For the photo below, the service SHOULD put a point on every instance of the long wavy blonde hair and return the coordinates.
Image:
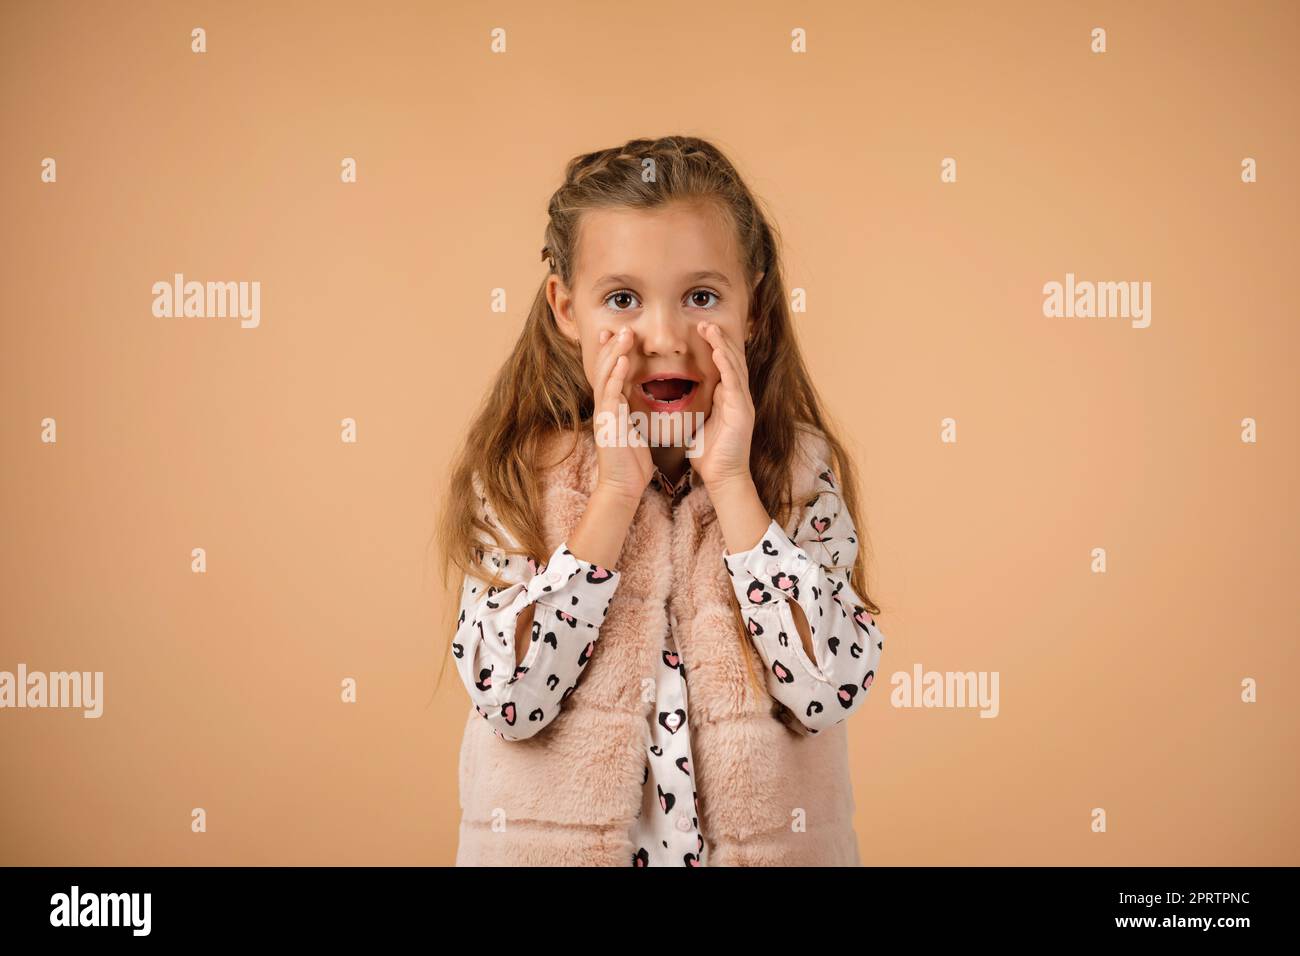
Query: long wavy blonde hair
(542, 390)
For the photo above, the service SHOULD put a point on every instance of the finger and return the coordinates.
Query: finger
(604, 363)
(614, 397)
(614, 385)
(722, 359)
(736, 361)
(714, 335)
(605, 358)
(614, 348)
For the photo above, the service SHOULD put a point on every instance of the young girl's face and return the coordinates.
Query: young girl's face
(658, 272)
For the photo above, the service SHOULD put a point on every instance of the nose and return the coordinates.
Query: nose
(664, 331)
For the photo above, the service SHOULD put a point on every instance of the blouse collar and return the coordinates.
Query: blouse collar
(660, 480)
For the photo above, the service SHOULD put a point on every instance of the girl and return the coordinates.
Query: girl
(603, 580)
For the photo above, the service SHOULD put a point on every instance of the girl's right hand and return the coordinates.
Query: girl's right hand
(625, 468)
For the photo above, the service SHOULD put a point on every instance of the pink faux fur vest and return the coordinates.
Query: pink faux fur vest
(567, 797)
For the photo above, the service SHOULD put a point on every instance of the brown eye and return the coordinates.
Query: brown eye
(705, 292)
(622, 294)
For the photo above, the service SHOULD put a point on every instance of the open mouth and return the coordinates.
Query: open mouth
(667, 391)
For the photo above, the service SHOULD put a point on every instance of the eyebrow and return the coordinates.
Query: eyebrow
(625, 279)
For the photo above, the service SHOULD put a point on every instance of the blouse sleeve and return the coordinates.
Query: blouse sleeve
(812, 566)
(567, 599)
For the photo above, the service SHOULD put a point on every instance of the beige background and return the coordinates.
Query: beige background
(1119, 691)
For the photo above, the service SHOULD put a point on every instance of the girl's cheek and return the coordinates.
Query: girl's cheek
(706, 399)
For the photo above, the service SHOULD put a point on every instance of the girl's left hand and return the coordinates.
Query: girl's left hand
(726, 435)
